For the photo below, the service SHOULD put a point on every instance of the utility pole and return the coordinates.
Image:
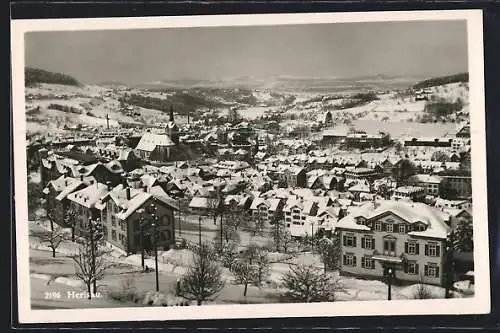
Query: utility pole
(107, 121)
(156, 254)
(221, 232)
(179, 216)
(199, 231)
(141, 238)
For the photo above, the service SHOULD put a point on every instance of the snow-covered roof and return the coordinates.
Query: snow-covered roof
(411, 212)
(89, 195)
(149, 141)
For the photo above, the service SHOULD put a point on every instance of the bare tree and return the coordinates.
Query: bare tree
(214, 205)
(53, 238)
(306, 283)
(89, 265)
(203, 280)
(245, 273)
(422, 291)
(262, 265)
(70, 218)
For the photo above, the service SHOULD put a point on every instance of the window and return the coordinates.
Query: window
(303, 217)
(367, 263)
(349, 240)
(349, 260)
(113, 234)
(411, 268)
(389, 227)
(367, 242)
(288, 219)
(431, 270)
(402, 228)
(412, 248)
(432, 250)
(378, 226)
(113, 221)
(390, 247)
(288, 213)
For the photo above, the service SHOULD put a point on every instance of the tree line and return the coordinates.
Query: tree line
(34, 76)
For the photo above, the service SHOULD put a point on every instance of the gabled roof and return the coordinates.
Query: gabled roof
(89, 195)
(150, 141)
(411, 212)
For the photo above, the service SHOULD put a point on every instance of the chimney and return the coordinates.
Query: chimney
(145, 188)
(108, 183)
(81, 178)
(127, 191)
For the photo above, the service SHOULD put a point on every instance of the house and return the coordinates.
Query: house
(334, 136)
(430, 183)
(122, 211)
(267, 210)
(84, 204)
(363, 140)
(295, 176)
(296, 211)
(204, 205)
(56, 194)
(428, 142)
(407, 236)
(361, 173)
(155, 147)
(411, 193)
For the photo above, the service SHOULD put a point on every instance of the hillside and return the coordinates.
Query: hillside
(439, 81)
(33, 76)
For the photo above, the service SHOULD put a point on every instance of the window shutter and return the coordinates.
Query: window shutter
(417, 248)
(344, 240)
(354, 261)
(373, 243)
(354, 241)
(426, 270)
(426, 249)
(383, 227)
(406, 247)
(437, 272)
(395, 227)
(363, 242)
(416, 269)
(438, 250)
(344, 259)
(405, 267)
(363, 262)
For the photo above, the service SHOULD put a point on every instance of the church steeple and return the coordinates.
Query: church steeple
(171, 113)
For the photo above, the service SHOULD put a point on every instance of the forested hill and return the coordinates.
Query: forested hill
(438, 81)
(33, 76)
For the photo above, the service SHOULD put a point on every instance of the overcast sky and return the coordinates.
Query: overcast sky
(323, 50)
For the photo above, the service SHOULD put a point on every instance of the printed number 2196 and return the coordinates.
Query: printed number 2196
(52, 295)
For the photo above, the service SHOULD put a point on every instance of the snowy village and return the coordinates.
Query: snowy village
(248, 191)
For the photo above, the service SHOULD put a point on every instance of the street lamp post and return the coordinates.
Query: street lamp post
(389, 276)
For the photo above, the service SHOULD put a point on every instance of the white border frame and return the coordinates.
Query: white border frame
(479, 304)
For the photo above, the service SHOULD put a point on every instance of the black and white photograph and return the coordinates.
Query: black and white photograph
(249, 164)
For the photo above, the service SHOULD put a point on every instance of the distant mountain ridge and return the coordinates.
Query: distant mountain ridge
(34, 76)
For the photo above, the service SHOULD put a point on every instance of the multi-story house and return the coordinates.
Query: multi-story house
(406, 236)
(296, 212)
(124, 209)
(430, 183)
(411, 193)
(266, 210)
(84, 203)
(56, 194)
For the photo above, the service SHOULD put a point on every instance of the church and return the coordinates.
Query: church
(160, 147)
